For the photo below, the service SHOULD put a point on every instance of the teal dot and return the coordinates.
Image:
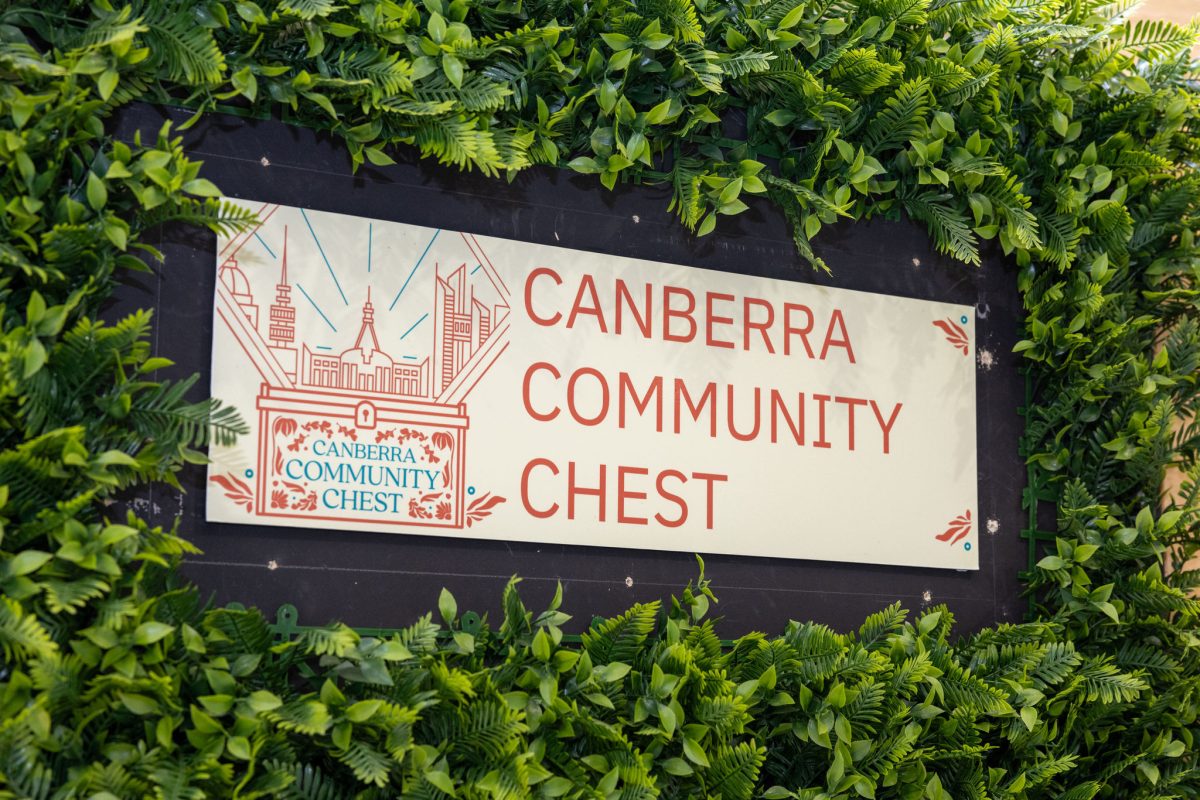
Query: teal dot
(249, 473)
(963, 319)
(470, 490)
(966, 545)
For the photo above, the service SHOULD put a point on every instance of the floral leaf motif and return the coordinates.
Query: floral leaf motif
(444, 441)
(236, 490)
(958, 528)
(482, 507)
(955, 335)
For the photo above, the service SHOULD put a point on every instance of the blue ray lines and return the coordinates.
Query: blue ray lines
(414, 271)
(316, 307)
(321, 250)
(264, 244)
(414, 325)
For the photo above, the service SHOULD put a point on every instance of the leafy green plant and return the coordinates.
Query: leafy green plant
(1052, 128)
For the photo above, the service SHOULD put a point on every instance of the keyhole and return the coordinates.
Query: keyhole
(365, 415)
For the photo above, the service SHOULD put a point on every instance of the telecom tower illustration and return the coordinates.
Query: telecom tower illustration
(363, 387)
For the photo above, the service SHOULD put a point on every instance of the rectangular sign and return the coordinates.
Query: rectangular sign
(409, 380)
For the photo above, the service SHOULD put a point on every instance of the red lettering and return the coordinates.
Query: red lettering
(671, 496)
(573, 407)
(707, 397)
(684, 314)
(711, 318)
(836, 321)
(573, 491)
(753, 434)
(821, 399)
(850, 403)
(623, 495)
(778, 409)
(529, 509)
(641, 404)
(709, 479)
(625, 299)
(762, 327)
(789, 329)
(587, 286)
(546, 321)
(541, 365)
(886, 427)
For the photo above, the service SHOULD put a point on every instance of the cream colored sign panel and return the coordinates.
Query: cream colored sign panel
(408, 380)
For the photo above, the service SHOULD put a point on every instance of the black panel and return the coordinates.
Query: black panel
(371, 579)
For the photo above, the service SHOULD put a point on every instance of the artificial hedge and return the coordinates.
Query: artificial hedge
(1051, 126)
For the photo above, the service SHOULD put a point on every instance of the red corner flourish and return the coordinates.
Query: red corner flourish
(960, 526)
(955, 335)
(236, 490)
(482, 507)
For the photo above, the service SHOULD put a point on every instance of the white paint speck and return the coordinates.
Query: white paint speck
(272, 565)
(993, 526)
(927, 596)
(987, 359)
(916, 262)
(266, 162)
(556, 237)
(629, 582)
(636, 219)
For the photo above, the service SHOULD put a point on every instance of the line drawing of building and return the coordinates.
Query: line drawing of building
(282, 330)
(466, 339)
(238, 285)
(365, 367)
(462, 326)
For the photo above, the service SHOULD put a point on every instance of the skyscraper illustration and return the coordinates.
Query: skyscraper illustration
(463, 325)
(282, 330)
(463, 328)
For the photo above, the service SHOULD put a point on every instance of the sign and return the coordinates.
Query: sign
(410, 380)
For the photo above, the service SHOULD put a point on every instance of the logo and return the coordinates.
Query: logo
(368, 424)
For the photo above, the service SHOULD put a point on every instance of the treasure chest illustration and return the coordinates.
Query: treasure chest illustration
(352, 430)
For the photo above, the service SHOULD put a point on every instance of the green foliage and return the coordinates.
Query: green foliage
(1057, 130)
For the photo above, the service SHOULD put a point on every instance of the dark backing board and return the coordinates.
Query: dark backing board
(386, 580)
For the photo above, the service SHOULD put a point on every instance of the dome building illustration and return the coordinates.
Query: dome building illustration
(359, 392)
(463, 329)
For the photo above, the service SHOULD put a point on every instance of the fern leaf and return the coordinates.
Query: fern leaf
(368, 764)
(620, 638)
(873, 633)
(22, 637)
(902, 118)
(951, 227)
(184, 51)
(307, 9)
(733, 773)
(745, 63)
